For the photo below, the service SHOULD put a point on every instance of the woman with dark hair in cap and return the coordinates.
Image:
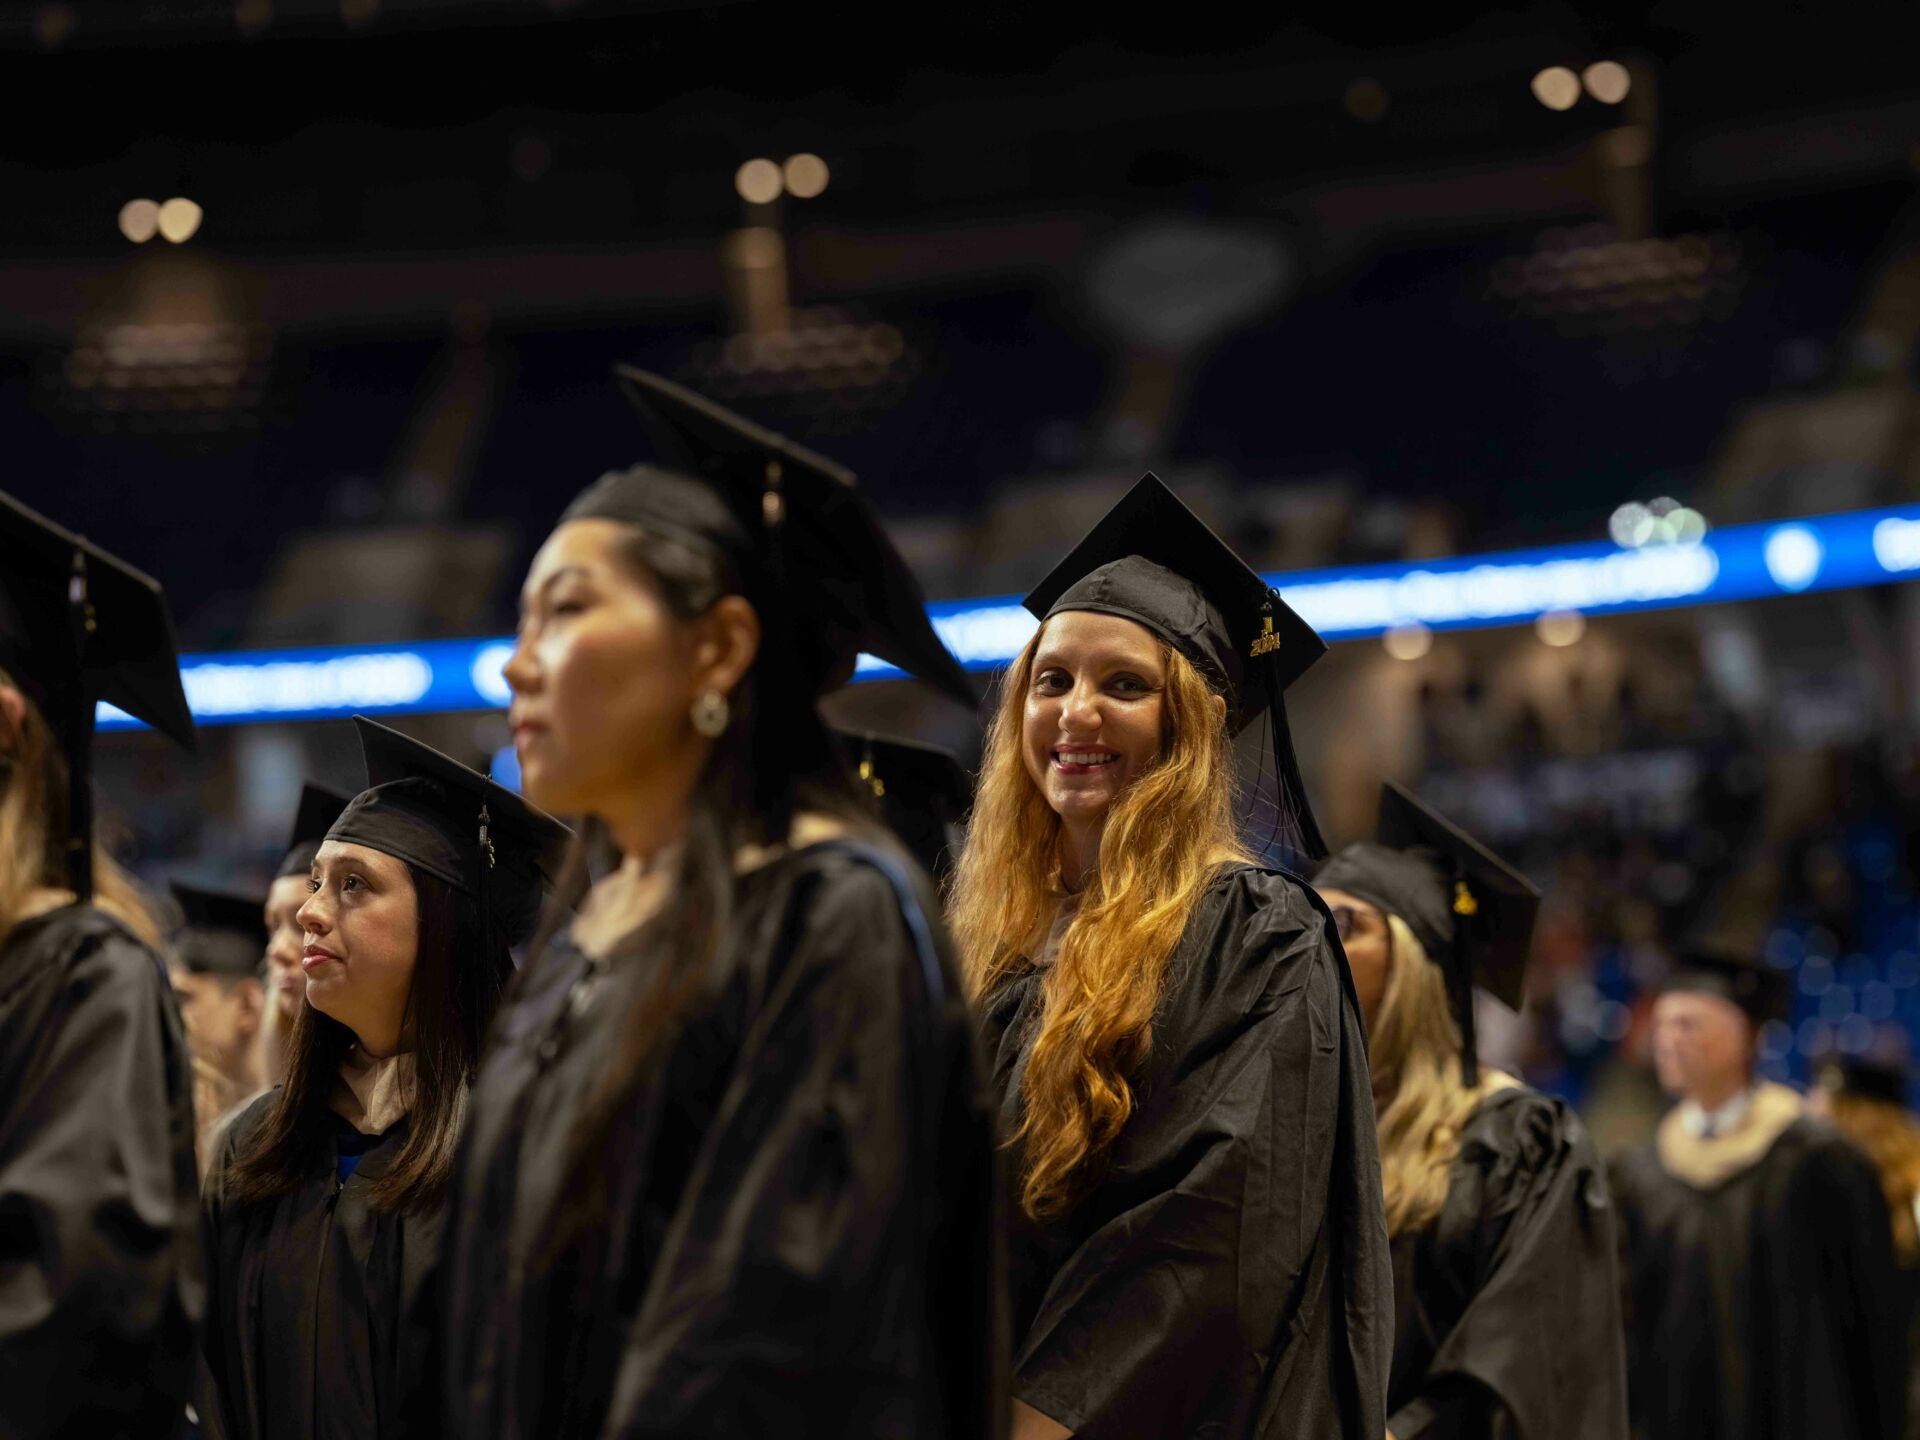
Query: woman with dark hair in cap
(324, 1210)
(1760, 1296)
(729, 1169)
(286, 981)
(1198, 1247)
(99, 1231)
(1506, 1309)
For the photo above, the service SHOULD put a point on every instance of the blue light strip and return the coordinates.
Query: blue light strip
(1742, 562)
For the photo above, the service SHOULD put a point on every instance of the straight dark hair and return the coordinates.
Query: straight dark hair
(775, 758)
(459, 973)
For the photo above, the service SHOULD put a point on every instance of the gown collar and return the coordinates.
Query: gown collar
(374, 1094)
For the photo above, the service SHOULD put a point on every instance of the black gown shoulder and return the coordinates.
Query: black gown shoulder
(799, 1234)
(100, 1266)
(1228, 1274)
(1506, 1305)
(314, 1299)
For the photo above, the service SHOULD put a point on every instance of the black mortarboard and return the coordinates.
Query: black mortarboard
(1471, 911)
(78, 626)
(834, 583)
(224, 934)
(920, 790)
(319, 808)
(1154, 561)
(453, 823)
(1762, 990)
(1868, 1079)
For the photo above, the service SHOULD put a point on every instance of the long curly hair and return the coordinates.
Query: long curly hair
(1165, 837)
(1420, 1103)
(1890, 1138)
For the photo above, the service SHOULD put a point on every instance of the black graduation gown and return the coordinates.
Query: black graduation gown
(100, 1279)
(803, 1239)
(1229, 1276)
(1764, 1307)
(310, 1295)
(1506, 1306)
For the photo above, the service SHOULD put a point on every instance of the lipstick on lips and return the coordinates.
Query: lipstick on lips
(1083, 759)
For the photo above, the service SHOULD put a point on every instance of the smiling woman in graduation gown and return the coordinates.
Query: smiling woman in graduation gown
(324, 1210)
(1506, 1309)
(100, 1289)
(1198, 1246)
(729, 1169)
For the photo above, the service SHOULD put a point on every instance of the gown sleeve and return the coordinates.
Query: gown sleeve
(1537, 1351)
(100, 1284)
(788, 1293)
(1843, 1211)
(1236, 1272)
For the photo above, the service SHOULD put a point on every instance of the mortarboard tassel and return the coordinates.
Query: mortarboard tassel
(1290, 785)
(79, 732)
(1466, 911)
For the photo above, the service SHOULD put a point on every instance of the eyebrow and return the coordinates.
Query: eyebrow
(549, 582)
(1101, 660)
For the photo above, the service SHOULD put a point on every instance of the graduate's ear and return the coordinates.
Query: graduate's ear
(727, 638)
(13, 714)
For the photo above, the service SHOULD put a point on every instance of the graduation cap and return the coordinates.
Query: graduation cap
(454, 823)
(1868, 1079)
(1762, 990)
(1153, 561)
(919, 789)
(832, 583)
(224, 934)
(320, 806)
(1471, 911)
(78, 626)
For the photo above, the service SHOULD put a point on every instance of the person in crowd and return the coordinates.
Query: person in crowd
(1198, 1245)
(729, 1169)
(216, 962)
(100, 1278)
(1506, 1303)
(324, 1210)
(286, 981)
(919, 791)
(1866, 1101)
(1761, 1300)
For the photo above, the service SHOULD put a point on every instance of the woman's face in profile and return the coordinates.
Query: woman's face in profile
(603, 676)
(362, 928)
(1095, 709)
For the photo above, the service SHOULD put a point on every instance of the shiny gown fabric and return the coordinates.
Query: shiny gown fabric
(100, 1268)
(1229, 1274)
(801, 1238)
(1507, 1306)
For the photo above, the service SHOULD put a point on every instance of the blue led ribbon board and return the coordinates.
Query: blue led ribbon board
(1742, 562)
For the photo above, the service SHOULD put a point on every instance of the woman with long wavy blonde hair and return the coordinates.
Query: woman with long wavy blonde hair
(99, 1252)
(1507, 1316)
(1198, 1246)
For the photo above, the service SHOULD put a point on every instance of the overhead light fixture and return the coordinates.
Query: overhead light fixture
(1607, 81)
(179, 219)
(1560, 628)
(1557, 88)
(805, 176)
(1407, 642)
(140, 220)
(759, 182)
